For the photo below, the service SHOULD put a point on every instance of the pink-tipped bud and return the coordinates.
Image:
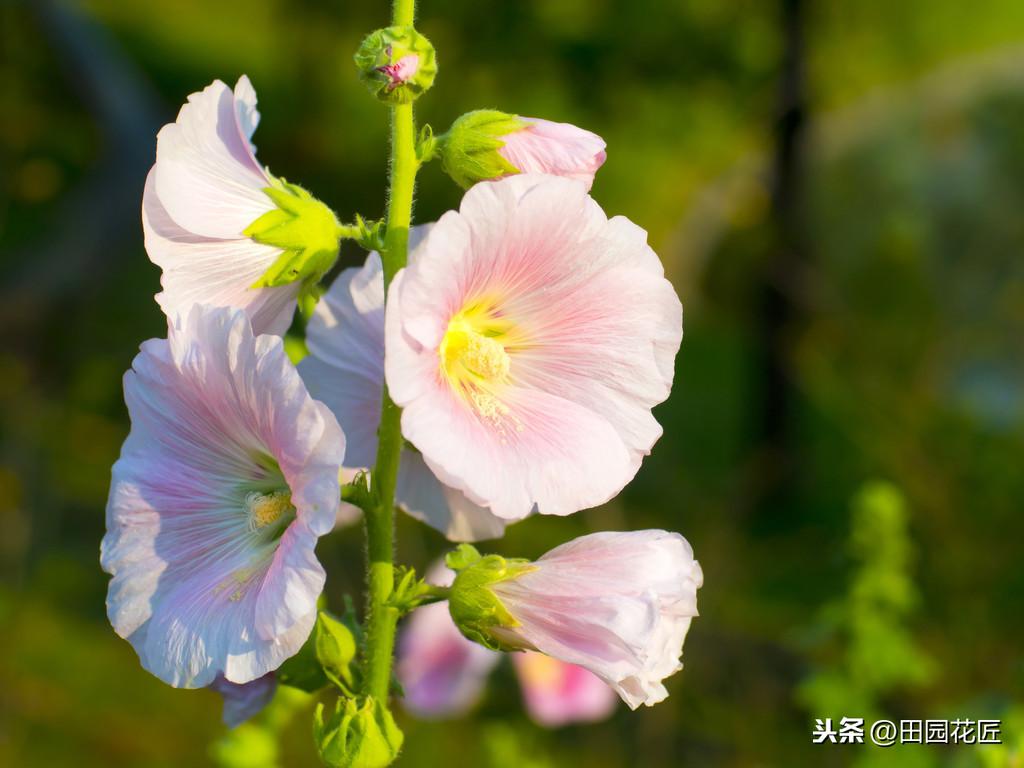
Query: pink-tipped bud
(487, 145)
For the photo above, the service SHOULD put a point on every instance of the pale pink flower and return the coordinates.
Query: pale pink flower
(226, 480)
(203, 192)
(345, 369)
(442, 673)
(557, 693)
(527, 341)
(246, 700)
(560, 149)
(618, 604)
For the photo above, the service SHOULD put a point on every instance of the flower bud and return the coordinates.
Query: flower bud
(617, 604)
(397, 64)
(487, 144)
(357, 736)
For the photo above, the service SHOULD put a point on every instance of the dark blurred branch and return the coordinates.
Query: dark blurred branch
(93, 220)
(779, 311)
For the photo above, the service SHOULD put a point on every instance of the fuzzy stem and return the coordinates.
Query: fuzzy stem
(380, 524)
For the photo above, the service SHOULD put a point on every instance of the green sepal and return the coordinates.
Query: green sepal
(411, 592)
(356, 491)
(383, 48)
(426, 144)
(469, 150)
(308, 234)
(474, 607)
(370, 234)
(357, 735)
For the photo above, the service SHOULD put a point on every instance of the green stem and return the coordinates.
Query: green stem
(383, 618)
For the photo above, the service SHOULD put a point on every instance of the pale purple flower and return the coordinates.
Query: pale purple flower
(345, 369)
(527, 342)
(559, 149)
(618, 604)
(557, 693)
(243, 701)
(226, 480)
(204, 190)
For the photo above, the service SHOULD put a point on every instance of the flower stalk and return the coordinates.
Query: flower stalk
(380, 525)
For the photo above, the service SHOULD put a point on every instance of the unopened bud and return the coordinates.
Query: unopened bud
(357, 736)
(397, 64)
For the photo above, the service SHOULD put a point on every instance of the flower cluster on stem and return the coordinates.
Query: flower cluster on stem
(499, 363)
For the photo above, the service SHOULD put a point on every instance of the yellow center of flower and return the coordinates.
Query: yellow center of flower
(475, 360)
(267, 508)
(473, 350)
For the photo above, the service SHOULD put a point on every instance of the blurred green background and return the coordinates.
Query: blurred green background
(836, 189)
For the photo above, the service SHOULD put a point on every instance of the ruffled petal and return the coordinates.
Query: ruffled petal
(206, 175)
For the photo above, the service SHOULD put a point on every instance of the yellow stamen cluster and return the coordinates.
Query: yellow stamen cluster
(475, 360)
(267, 508)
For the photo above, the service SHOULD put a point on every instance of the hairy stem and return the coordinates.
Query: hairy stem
(380, 530)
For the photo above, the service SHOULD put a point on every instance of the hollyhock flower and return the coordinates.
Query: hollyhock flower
(205, 215)
(557, 693)
(345, 369)
(488, 144)
(617, 604)
(226, 480)
(443, 674)
(527, 341)
(246, 700)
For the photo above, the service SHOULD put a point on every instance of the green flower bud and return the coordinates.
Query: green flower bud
(397, 64)
(336, 651)
(475, 609)
(469, 150)
(357, 736)
(305, 229)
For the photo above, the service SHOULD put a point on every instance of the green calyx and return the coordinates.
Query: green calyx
(469, 150)
(306, 231)
(474, 607)
(396, 64)
(357, 735)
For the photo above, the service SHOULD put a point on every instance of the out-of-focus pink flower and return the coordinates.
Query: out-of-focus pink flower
(557, 693)
(527, 341)
(443, 674)
(226, 480)
(400, 72)
(560, 149)
(203, 192)
(618, 604)
(245, 700)
(345, 369)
